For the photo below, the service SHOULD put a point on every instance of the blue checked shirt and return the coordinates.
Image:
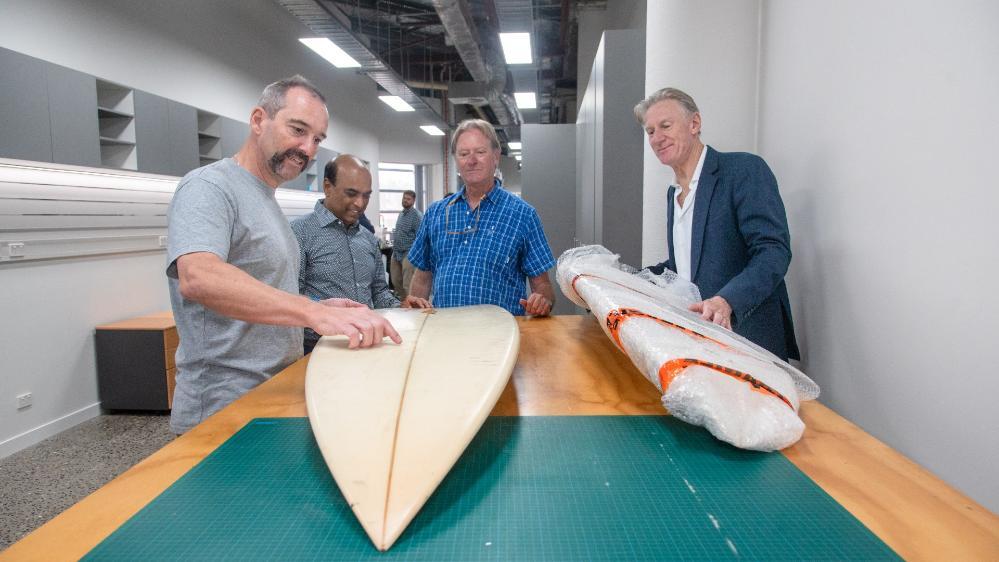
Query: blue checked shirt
(484, 260)
(339, 261)
(406, 228)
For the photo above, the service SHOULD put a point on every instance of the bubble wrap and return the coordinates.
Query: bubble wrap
(708, 375)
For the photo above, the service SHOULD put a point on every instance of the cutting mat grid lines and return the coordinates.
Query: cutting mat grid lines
(527, 488)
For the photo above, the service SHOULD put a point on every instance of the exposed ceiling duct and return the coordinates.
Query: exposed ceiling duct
(327, 21)
(517, 16)
(487, 67)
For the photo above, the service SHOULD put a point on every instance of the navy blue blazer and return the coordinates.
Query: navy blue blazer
(741, 247)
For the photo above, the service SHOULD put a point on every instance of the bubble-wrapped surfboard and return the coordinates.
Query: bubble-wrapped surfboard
(708, 375)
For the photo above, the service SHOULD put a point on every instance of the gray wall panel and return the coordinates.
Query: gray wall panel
(152, 140)
(234, 134)
(183, 138)
(73, 115)
(609, 148)
(548, 176)
(24, 108)
(623, 150)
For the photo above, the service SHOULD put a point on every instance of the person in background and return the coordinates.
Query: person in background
(232, 267)
(726, 226)
(479, 245)
(406, 227)
(338, 258)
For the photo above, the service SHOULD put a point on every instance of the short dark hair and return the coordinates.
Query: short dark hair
(329, 173)
(409, 192)
(273, 97)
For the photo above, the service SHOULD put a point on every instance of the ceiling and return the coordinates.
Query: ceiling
(446, 54)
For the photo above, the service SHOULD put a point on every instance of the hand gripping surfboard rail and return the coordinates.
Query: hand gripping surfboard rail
(391, 420)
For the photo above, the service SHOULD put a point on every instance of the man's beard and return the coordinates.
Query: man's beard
(278, 159)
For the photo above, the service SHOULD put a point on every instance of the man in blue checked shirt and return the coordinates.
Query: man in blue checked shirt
(478, 245)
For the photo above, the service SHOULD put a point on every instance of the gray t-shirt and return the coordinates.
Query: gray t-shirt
(224, 209)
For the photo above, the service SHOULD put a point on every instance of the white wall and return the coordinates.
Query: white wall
(214, 55)
(47, 329)
(879, 121)
(880, 124)
(709, 50)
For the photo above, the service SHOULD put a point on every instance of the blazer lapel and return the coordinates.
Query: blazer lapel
(702, 198)
(670, 193)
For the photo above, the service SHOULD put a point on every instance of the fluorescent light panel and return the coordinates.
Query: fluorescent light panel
(526, 100)
(516, 47)
(519, 157)
(432, 130)
(329, 51)
(515, 145)
(396, 103)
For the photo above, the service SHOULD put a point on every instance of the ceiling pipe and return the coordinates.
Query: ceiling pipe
(326, 20)
(461, 29)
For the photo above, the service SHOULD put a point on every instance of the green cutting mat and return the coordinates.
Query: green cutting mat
(527, 488)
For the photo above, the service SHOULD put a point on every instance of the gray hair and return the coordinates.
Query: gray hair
(679, 96)
(272, 99)
(480, 125)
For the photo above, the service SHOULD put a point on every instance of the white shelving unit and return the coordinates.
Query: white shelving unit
(209, 137)
(116, 125)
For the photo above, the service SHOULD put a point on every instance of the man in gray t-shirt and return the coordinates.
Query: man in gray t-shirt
(233, 263)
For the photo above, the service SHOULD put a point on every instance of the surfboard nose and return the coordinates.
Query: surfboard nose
(392, 420)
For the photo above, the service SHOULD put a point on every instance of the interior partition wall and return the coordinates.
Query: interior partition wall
(548, 179)
(609, 149)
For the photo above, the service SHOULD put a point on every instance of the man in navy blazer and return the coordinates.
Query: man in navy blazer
(726, 226)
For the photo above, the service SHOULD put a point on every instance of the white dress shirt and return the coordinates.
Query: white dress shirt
(683, 221)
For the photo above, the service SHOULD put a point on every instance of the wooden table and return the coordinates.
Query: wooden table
(567, 366)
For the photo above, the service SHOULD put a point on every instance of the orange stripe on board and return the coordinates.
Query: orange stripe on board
(670, 369)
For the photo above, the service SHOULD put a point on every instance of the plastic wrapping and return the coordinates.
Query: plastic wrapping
(708, 375)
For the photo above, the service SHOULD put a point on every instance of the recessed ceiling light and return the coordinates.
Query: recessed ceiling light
(329, 51)
(396, 103)
(519, 157)
(516, 47)
(525, 100)
(514, 145)
(432, 130)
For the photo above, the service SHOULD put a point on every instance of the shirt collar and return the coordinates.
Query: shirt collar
(694, 179)
(495, 196)
(326, 217)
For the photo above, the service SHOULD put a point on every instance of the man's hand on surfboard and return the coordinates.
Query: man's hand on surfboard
(536, 304)
(716, 310)
(362, 326)
(415, 302)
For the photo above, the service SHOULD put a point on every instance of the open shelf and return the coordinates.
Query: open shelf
(116, 125)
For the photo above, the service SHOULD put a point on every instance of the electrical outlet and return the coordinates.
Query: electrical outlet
(163, 241)
(15, 249)
(23, 400)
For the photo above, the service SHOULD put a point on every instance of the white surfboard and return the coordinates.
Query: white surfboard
(391, 420)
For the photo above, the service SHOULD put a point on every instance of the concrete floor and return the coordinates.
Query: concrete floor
(40, 482)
